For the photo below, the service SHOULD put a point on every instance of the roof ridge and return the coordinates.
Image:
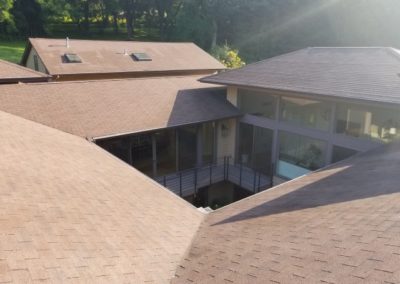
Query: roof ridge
(111, 40)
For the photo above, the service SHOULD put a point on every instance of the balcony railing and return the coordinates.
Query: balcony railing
(187, 182)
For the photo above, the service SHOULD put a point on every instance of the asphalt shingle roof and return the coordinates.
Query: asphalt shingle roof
(109, 56)
(113, 107)
(13, 73)
(370, 73)
(338, 225)
(71, 212)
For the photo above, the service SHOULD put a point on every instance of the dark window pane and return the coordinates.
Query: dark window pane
(166, 152)
(245, 143)
(341, 153)
(142, 153)
(208, 136)
(187, 147)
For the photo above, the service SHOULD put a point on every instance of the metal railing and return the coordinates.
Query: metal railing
(187, 182)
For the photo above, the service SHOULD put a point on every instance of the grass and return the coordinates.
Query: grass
(11, 50)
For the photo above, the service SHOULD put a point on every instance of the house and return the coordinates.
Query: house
(12, 73)
(313, 107)
(67, 59)
(76, 209)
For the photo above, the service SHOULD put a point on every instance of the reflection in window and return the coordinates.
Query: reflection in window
(341, 153)
(307, 113)
(187, 147)
(142, 153)
(299, 155)
(368, 122)
(257, 103)
(208, 136)
(245, 144)
(166, 152)
(262, 151)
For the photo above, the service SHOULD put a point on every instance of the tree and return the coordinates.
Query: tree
(228, 56)
(28, 17)
(5, 6)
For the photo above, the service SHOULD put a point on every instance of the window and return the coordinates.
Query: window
(341, 153)
(255, 147)
(257, 103)
(36, 62)
(141, 56)
(166, 152)
(368, 122)
(72, 58)
(208, 139)
(299, 155)
(307, 113)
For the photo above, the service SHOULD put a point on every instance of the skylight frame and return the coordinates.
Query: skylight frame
(72, 58)
(141, 56)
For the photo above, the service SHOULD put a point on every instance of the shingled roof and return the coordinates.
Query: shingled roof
(370, 73)
(96, 109)
(338, 225)
(100, 57)
(71, 212)
(13, 73)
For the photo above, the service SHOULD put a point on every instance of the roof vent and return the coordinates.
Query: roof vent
(126, 52)
(67, 42)
(141, 56)
(72, 58)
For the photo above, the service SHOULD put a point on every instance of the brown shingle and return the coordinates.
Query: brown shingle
(13, 73)
(71, 212)
(370, 74)
(338, 225)
(111, 107)
(108, 56)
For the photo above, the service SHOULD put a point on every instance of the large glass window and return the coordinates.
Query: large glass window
(187, 147)
(257, 103)
(255, 147)
(166, 152)
(368, 122)
(245, 144)
(208, 139)
(299, 155)
(341, 153)
(142, 153)
(262, 150)
(308, 113)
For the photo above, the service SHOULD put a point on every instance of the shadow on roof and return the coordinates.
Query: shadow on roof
(201, 105)
(365, 176)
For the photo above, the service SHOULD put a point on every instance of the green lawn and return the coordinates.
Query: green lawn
(11, 50)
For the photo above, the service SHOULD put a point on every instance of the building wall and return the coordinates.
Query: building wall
(30, 62)
(226, 138)
(278, 125)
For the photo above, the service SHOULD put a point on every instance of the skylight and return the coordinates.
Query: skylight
(72, 58)
(141, 56)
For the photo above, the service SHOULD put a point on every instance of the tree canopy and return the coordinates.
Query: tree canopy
(255, 28)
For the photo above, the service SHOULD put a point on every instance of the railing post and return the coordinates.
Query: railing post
(165, 181)
(195, 181)
(254, 181)
(259, 181)
(240, 174)
(227, 168)
(224, 168)
(271, 181)
(180, 184)
(210, 174)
